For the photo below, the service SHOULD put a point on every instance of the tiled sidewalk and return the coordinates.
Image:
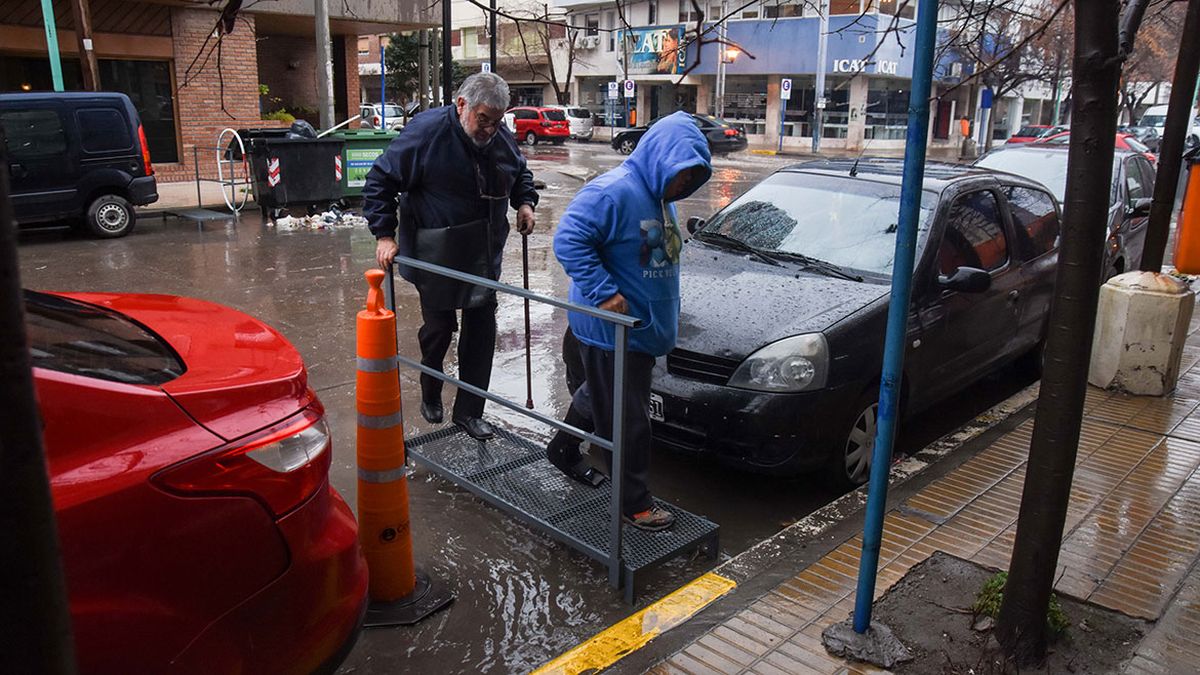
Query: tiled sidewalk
(1131, 543)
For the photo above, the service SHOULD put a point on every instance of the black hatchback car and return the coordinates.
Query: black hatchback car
(723, 137)
(77, 156)
(785, 301)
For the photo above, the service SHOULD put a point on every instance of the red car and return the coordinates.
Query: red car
(531, 125)
(1123, 142)
(189, 466)
(1029, 133)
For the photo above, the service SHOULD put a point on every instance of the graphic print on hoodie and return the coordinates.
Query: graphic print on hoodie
(617, 235)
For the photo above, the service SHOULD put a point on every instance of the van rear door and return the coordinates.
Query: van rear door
(43, 161)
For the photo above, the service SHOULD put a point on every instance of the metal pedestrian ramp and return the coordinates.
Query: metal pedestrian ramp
(511, 473)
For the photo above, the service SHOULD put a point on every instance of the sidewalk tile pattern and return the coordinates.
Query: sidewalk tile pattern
(1131, 541)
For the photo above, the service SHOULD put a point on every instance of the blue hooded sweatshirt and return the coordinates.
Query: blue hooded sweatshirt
(618, 235)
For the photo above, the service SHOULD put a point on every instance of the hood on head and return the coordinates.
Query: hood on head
(671, 145)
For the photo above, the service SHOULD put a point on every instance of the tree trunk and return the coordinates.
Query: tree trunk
(1022, 628)
(36, 635)
(1175, 132)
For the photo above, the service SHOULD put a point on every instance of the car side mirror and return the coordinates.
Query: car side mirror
(1140, 207)
(694, 223)
(966, 280)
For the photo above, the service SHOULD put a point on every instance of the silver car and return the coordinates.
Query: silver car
(580, 119)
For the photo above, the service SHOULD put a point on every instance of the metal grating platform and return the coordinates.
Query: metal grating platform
(512, 474)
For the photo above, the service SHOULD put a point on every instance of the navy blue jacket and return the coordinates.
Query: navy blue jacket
(445, 180)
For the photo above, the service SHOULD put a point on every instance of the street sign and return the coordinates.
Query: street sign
(485, 67)
(785, 89)
(628, 88)
(820, 104)
(986, 98)
(614, 90)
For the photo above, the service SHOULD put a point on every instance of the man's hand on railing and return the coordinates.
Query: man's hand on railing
(385, 250)
(616, 304)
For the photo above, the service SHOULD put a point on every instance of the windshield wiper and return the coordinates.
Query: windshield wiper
(737, 244)
(817, 264)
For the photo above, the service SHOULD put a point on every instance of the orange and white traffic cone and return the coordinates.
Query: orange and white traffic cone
(399, 593)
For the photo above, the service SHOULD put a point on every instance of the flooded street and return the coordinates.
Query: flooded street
(521, 598)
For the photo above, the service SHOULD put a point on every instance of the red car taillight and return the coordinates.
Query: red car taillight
(145, 151)
(731, 132)
(280, 466)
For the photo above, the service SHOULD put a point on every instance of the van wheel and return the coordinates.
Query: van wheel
(850, 463)
(530, 138)
(110, 216)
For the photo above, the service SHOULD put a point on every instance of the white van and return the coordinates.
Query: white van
(1156, 116)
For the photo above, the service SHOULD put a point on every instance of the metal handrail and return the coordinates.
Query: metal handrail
(621, 325)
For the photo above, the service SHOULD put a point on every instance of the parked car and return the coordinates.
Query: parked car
(1028, 133)
(785, 302)
(1147, 135)
(580, 120)
(531, 125)
(723, 137)
(1129, 199)
(189, 468)
(374, 116)
(1124, 141)
(77, 156)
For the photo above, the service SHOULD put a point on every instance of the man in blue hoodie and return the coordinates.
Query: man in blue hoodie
(619, 241)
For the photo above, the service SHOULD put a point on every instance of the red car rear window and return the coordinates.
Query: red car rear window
(80, 339)
(554, 115)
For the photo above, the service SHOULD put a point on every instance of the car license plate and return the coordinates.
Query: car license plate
(656, 408)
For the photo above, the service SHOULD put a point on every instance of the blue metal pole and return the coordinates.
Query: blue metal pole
(382, 90)
(52, 44)
(897, 326)
(782, 121)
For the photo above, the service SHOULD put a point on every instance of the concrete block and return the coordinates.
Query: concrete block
(1141, 325)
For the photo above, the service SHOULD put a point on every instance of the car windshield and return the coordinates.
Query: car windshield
(393, 110)
(1153, 120)
(81, 339)
(556, 115)
(1048, 167)
(1030, 131)
(845, 221)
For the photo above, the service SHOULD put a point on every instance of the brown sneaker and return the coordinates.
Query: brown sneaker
(653, 519)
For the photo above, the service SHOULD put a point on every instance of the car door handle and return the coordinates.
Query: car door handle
(1013, 296)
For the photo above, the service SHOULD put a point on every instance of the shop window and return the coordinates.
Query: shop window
(103, 129)
(33, 133)
(887, 111)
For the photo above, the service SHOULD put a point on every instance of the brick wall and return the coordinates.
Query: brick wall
(288, 65)
(353, 94)
(198, 102)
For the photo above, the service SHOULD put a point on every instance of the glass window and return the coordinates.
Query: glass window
(33, 133)
(1148, 175)
(555, 115)
(905, 8)
(844, 7)
(782, 9)
(652, 12)
(148, 85)
(1035, 220)
(103, 129)
(849, 222)
(974, 235)
(364, 46)
(592, 21)
(80, 339)
(610, 21)
(1135, 183)
(887, 110)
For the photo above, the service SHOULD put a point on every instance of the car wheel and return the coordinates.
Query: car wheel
(626, 146)
(530, 138)
(851, 464)
(110, 216)
(1034, 360)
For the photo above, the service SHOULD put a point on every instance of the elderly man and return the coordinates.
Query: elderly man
(456, 172)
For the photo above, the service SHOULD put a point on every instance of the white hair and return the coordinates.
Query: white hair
(486, 89)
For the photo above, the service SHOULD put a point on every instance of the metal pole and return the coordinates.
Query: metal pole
(528, 334)
(382, 89)
(1021, 625)
(617, 480)
(447, 57)
(196, 165)
(782, 122)
(819, 92)
(423, 69)
(89, 67)
(722, 34)
(897, 326)
(492, 29)
(1175, 131)
(37, 626)
(52, 44)
(324, 64)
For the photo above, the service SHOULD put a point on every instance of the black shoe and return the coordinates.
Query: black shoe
(575, 467)
(432, 412)
(476, 428)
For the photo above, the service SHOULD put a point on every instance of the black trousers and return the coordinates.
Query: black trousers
(476, 346)
(595, 399)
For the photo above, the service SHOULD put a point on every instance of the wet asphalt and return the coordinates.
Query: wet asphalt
(521, 598)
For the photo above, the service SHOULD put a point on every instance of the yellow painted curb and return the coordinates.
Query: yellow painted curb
(763, 152)
(635, 631)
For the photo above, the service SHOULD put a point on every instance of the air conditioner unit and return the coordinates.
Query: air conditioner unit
(590, 42)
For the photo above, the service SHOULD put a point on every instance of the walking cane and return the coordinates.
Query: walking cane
(528, 360)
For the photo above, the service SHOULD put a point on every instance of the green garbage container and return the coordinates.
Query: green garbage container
(363, 146)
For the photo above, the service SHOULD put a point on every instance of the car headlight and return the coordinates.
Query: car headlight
(798, 363)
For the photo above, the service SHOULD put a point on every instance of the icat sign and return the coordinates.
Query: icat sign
(859, 65)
